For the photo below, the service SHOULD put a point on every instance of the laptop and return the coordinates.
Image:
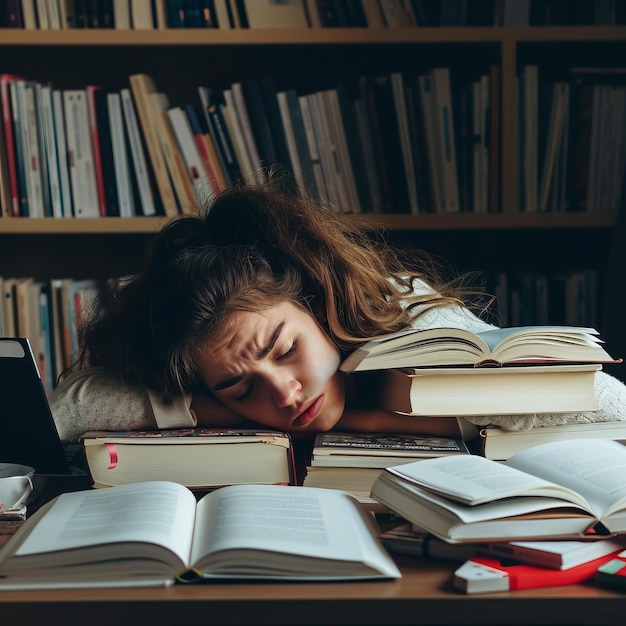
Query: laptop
(28, 434)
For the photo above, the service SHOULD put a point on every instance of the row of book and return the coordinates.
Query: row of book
(90, 152)
(49, 314)
(227, 14)
(529, 298)
(572, 147)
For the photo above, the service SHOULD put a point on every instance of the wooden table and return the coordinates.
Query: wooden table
(422, 596)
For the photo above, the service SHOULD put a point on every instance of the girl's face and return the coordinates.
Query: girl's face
(278, 368)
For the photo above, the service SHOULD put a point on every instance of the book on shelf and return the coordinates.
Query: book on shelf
(96, 128)
(197, 458)
(138, 158)
(353, 461)
(171, 153)
(121, 156)
(499, 444)
(444, 391)
(142, 86)
(271, 14)
(457, 346)
(238, 532)
(80, 154)
(559, 490)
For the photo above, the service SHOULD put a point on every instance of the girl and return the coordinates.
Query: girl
(243, 316)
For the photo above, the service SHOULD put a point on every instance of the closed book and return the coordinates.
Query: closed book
(142, 86)
(155, 533)
(500, 444)
(486, 390)
(80, 154)
(197, 458)
(347, 449)
(570, 490)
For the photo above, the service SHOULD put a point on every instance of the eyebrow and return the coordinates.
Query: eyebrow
(263, 352)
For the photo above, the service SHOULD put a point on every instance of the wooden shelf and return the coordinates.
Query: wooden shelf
(286, 36)
(462, 221)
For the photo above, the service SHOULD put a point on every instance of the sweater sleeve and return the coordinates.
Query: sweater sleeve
(95, 399)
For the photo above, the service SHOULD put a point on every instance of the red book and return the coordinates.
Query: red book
(5, 99)
(95, 142)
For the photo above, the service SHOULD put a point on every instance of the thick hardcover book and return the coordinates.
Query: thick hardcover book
(197, 458)
(560, 490)
(502, 346)
(260, 532)
(499, 444)
(442, 391)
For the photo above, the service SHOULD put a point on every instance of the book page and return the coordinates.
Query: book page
(157, 512)
(320, 523)
(476, 480)
(594, 468)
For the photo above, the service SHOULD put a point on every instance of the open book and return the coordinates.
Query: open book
(569, 489)
(154, 533)
(456, 346)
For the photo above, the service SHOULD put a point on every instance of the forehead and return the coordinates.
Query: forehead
(250, 329)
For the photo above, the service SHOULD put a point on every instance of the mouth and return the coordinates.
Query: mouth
(309, 414)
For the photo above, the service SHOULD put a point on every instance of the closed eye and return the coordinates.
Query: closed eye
(287, 354)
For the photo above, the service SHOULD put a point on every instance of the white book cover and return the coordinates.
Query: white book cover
(221, 11)
(43, 21)
(51, 155)
(54, 15)
(29, 14)
(121, 14)
(138, 157)
(61, 147)
(445, 121)
(276, 13)
(121, 163)
(80, 154)
(141, 14)
(191, 155)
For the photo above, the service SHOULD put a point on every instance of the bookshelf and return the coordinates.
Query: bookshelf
(307, 59)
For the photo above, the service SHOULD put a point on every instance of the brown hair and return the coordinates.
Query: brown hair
(254, 247)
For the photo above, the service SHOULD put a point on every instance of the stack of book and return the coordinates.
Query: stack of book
(444, 372)
(550, 515)
(353, 461)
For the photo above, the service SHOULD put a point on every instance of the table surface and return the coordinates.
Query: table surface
(423, 595)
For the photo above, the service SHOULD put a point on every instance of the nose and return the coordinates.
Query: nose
(285, 388)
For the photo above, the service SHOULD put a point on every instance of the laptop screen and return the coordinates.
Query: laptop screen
(28, 434)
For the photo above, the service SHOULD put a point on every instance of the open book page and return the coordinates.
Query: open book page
(307, 522)
(476, 480)
(157, 512)
(594, 468)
